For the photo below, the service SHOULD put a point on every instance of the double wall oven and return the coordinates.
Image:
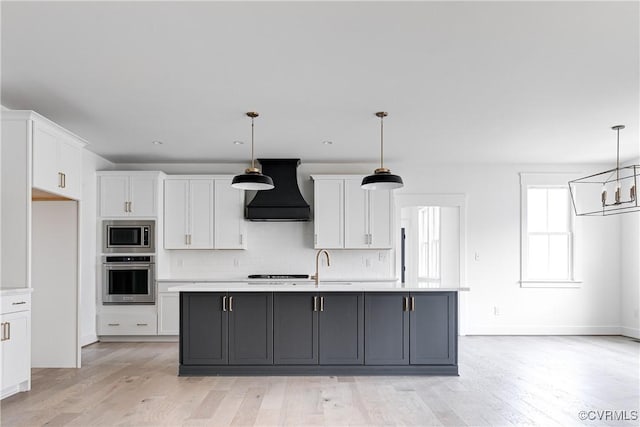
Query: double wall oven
(128, 265)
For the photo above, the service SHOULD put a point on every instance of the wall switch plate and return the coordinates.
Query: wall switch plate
(496, 311)
(477, 256)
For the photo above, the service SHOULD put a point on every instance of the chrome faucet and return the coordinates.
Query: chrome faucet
(316, 276)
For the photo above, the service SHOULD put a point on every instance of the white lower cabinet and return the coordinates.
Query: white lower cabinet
(168, 309)
(15, 329)
(131, 322)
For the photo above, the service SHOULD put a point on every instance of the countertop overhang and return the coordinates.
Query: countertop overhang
(305, 286)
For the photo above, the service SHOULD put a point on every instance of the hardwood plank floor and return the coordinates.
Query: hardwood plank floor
(538, 380)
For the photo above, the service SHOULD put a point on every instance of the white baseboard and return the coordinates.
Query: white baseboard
(139, 338)
(88, 339)
(543, 330)
(630, 332)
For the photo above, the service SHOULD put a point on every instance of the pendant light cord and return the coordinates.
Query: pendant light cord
(618, 157)
(381, 141)
(252, 161)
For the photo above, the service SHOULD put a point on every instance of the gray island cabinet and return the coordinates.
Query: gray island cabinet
(318, 333)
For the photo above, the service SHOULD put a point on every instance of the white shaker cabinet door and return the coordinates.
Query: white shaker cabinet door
(114, 195)
(229, 216)
(380, 217)
(328, 216)
(201, 214)
(15, 348)
(70, 164)
(176, 208)
(46, 174)
(143, 196)
(356, 213)
(168, 313)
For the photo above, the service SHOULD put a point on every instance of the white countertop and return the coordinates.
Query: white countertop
(305, 286)
(246, 280)
(15, 291)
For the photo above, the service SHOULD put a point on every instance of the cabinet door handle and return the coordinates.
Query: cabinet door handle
(126, 206)
(240, 238)
(189, 239)
(142, 324)
(413, 304)
(230, 303)
(8, 331)
(64, 180)
(113, 324)
(18, 303)
(224, 303)
(315, 303)
(2, 338)
(404, 303)
(321, 303)
(130, 206)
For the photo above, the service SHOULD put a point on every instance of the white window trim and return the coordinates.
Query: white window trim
(559, 180)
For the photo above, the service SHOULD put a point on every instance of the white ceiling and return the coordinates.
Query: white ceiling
(537, 82)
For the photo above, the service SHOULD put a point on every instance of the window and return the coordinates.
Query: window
(547, 232)
(429, 244)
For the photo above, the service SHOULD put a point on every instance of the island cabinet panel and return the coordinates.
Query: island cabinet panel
(387, 328)
(433, 328)
(341, 324)
(203, 328)
(250, 328)
(295, 328)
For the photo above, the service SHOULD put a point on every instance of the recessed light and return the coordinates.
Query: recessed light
(327, 142)
(157, 142)
(238, 142)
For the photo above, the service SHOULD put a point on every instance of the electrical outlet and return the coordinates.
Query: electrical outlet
(496, 310)
(382, 256)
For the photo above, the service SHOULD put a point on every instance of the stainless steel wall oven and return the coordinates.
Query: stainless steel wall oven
(128, 280)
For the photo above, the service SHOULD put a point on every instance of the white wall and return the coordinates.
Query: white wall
(54, 278)
(630, 269)
(88, 245)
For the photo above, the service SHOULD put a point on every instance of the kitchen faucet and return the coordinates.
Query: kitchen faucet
(317, 275)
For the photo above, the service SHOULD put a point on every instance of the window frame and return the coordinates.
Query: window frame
(546, 181)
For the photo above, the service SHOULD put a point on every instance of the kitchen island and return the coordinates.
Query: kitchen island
(337, 328)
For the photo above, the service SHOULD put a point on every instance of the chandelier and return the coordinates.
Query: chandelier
(607, 193)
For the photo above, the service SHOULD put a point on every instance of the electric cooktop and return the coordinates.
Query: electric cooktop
(278, 276)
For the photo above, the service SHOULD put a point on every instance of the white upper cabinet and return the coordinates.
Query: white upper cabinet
(348, 217)
(203, 213)
(176, 208)
(229, 216)
(57, 160)
(328, 213)
(125, 194)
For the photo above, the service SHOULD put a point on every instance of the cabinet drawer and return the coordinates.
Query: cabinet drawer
(127, 324)
(13, 303)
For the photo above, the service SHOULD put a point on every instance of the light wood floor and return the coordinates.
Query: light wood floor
(503, 381)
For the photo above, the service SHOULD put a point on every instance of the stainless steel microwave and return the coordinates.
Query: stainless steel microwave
(124, 236)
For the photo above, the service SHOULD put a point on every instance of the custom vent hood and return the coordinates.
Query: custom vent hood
(284, 202)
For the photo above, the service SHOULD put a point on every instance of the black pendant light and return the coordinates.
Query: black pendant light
(382, 178)
(252, 179)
